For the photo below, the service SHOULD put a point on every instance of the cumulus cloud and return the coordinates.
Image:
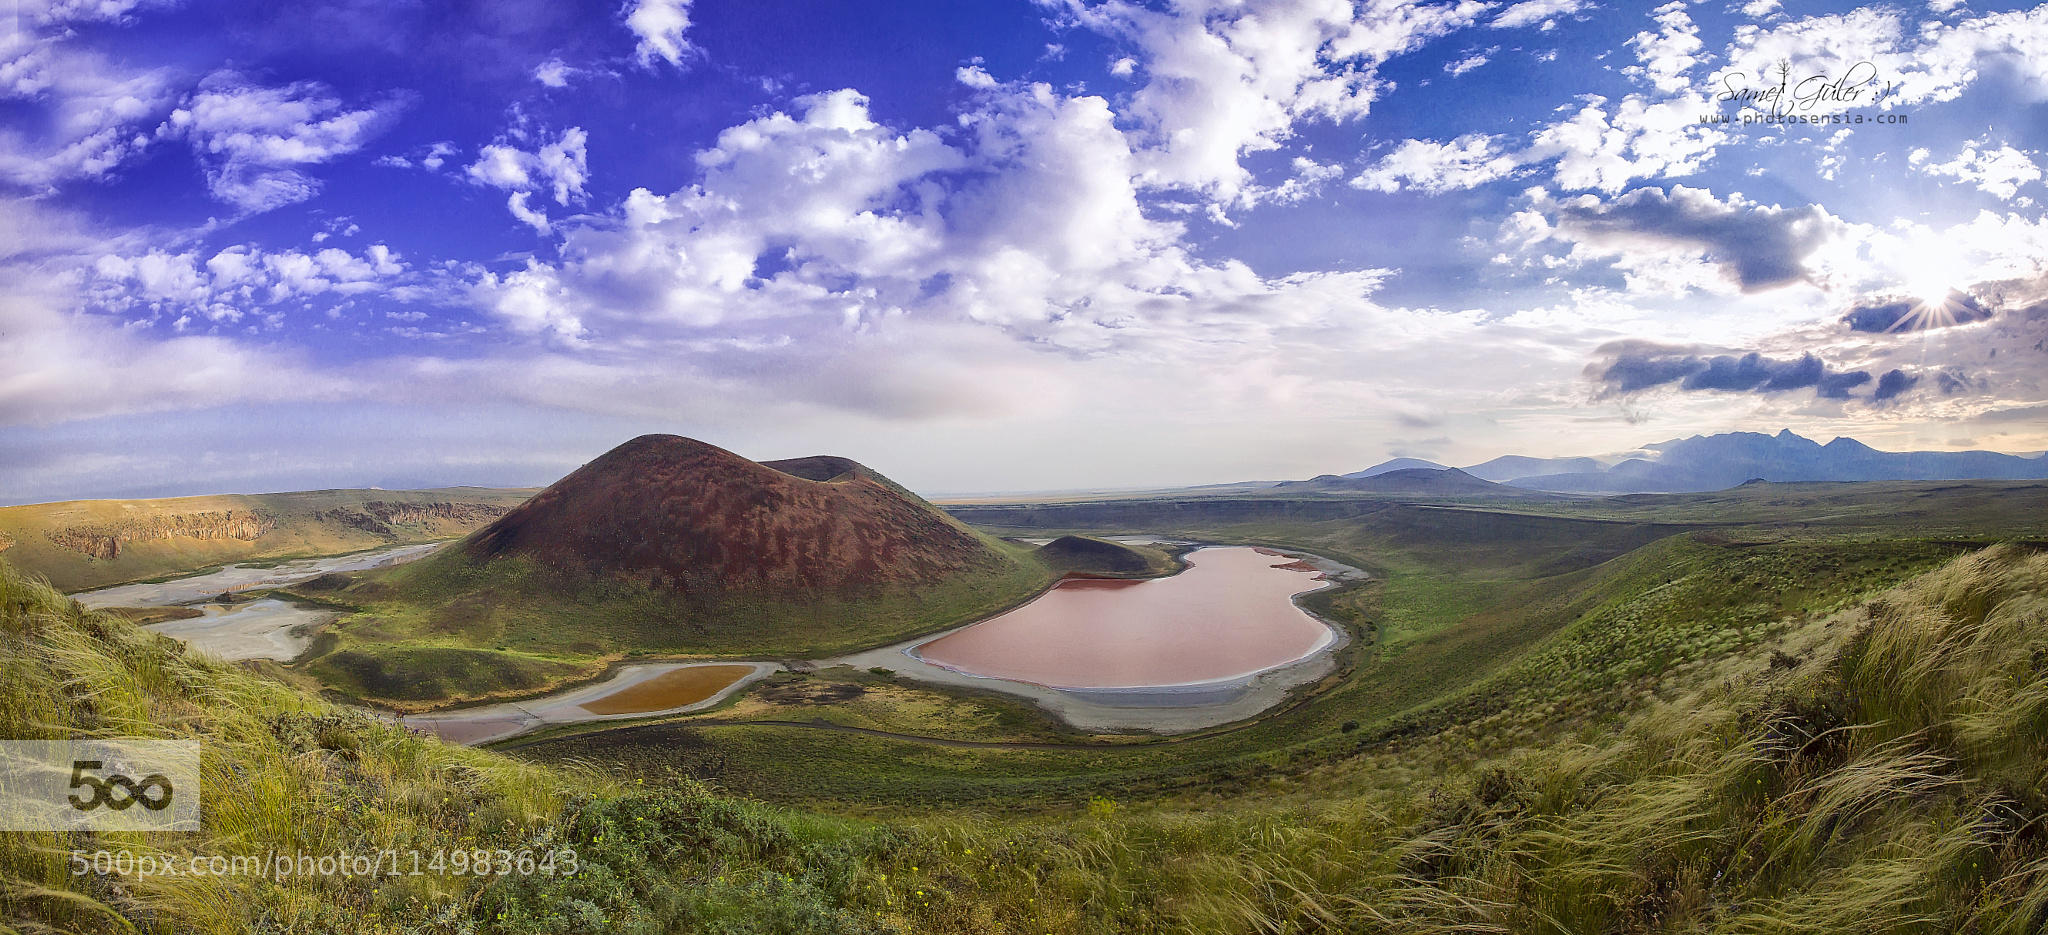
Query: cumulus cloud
(561, 167)
(554, 73)
(1307, 181)
(85, 114)
(1915, 314)
(1534, 12)
(1755, 246)
(1459, 67)
(1221, 80)
(1893, 383)
(1875, 45)
(2001, 171)
(430, 157)
(1605, 148)
(235, 282)
(1669, 54)
(254, 142)
(63, 365)
(530, 300)
(1025, 224)
(659, 25)
(59, 12)
(1629, 367)
(1466, 162)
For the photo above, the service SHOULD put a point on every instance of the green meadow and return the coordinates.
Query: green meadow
(1802, 717)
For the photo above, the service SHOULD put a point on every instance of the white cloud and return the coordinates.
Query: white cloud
(235, 282)
(90, 113)
(1668, 54)
(1533, 12)
(527, 214)
(1469, 62)
(430, 157)
(1466, 162)
(253, 140)
(554, 73)
(2002, 171)
(660, 25)
(1640, 139)
(64, 365)
(1685, 239)
(824, 222)
(1307, 181)
(974, 76)
(562, 166)
(1760, 9)
(1221, 80)
(58, 12)
(1924, 63)
(531, 301)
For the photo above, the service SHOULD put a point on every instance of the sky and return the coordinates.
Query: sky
(1003, 246)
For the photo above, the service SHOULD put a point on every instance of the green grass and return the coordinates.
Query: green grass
(448, 630)
(286, 772)
(306, 525)
(1100, 557)
(1580, 648)
(1757, 751)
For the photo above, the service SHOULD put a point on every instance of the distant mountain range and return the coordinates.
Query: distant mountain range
(1435, 481)
(1385, 467)
(1702, 462)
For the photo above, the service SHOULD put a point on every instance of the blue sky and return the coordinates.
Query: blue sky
(1002, 246)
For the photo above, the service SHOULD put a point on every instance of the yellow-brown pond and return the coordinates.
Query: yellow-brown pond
(671, 689)
(1230, 614)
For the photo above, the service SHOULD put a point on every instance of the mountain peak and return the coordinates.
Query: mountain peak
(687, 516)
(1395, 464)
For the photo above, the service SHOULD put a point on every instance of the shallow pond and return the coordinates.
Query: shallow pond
(673, 689)
(1229, 615)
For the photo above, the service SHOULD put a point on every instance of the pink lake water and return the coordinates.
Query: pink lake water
(1229, 614)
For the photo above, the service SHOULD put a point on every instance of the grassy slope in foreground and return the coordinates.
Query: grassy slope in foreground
(81, 544)
(1888, 778)
(667, 546)
(285, 772)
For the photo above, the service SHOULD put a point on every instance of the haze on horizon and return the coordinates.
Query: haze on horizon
(984, 247)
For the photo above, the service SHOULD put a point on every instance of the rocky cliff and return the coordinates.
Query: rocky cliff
(105, 540)
(384, 518)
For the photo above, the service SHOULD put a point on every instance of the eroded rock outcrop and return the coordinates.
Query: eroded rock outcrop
(105, 540)
(381, 517)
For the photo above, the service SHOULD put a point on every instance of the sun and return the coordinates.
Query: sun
(1932, 274)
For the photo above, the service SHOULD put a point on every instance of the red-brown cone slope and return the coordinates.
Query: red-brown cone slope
(681, 515)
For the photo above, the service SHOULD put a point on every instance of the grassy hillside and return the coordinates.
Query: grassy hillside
(1887, 777)
(81, 544)
(285, 772)
(668, 546)
(1088, 555)
(1534, 626)
(1545, 658)
(432, 633)
(1878, 768)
